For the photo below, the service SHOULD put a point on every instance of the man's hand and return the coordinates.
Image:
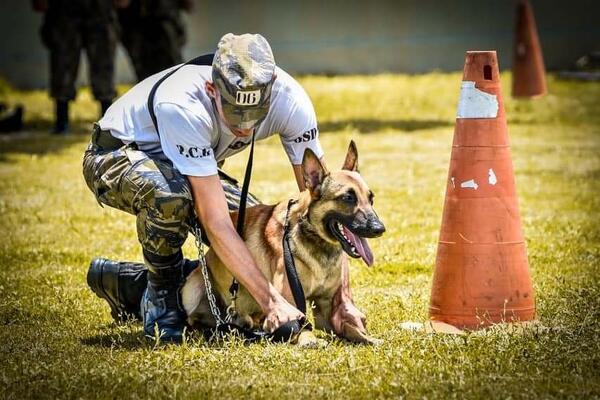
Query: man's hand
(279, 313)
(345, 312)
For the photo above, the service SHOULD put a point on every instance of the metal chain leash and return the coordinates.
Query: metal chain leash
(212, 302)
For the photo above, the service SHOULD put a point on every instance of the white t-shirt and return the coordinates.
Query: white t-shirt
(191, 134)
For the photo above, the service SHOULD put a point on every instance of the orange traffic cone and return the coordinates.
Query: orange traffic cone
(482, 274)
(529, 78)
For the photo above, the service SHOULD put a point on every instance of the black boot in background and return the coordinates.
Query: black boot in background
(11, 119)
(61, 124)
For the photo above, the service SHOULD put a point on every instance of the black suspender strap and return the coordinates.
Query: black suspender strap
(205, 59)
(244, 197)
(242, 209)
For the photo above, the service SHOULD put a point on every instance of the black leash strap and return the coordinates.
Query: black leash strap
(290, 265)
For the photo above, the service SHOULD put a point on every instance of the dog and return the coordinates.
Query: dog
(333, 216)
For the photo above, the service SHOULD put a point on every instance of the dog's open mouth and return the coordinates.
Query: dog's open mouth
(354, 245)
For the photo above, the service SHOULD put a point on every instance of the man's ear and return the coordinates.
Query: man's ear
(313, 172)
(210, 90)
(351, 163)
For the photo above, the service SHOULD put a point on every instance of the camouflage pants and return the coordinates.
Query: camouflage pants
(152, 190)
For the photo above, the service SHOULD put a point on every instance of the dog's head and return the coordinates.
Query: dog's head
(341, 208)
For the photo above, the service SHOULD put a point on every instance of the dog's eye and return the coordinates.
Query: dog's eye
(371, 197)
(349, 197)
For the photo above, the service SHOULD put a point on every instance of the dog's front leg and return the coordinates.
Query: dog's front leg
(344, 310)
(348, 321)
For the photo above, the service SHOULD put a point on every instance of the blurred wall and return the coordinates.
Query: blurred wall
(341, 37)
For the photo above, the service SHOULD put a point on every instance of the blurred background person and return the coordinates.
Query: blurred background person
(69, 27)
(153, 33)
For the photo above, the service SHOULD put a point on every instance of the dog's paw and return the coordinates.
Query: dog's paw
(307, 340)
(370, 340)
(356, 335)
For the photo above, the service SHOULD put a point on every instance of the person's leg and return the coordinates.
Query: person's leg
(64, 43)
(123, 283)
(165, 36)
(131, 35)
(100, 42)
(165, 214)
(159, 196)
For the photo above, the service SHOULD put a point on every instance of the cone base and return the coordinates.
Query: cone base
(432, 326)
(483, 319)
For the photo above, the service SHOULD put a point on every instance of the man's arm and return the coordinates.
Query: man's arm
(299, 177)
(211, 208)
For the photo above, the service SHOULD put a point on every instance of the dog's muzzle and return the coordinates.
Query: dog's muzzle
(367, 225)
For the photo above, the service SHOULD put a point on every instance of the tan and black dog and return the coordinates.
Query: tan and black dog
(334, 215)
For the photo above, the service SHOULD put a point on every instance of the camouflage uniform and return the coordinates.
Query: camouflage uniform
(71, 26)
(151, 189)
(153, 34)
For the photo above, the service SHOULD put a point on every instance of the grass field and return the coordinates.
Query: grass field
(57, 339)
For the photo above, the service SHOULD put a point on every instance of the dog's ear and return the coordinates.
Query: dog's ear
(351, 162)
(313, 172)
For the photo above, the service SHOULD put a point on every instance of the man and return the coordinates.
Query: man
(69, 27)
(153, 33)
(204, 114)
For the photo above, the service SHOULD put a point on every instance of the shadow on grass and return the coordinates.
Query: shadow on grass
(133, 340)
(373, 125)
(121, 340)
(40, 141)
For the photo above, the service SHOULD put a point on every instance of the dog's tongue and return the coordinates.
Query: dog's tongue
(362, 247)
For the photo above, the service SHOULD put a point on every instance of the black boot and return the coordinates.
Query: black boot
(61, 124)
(11, 120)
(161, 307)
(121, 284)
(104, 104)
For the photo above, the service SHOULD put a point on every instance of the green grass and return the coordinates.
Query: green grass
(57, 339)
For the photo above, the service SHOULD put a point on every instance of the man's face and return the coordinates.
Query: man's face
(242, 112)
(213, 92)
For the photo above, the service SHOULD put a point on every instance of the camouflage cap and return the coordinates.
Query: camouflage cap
(243, 72)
